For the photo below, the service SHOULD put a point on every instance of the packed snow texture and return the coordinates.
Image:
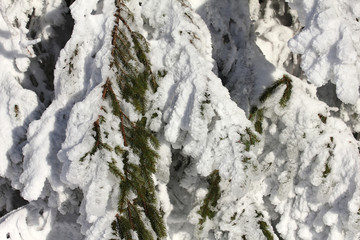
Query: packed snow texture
(299, 181)
(312, 179)
(330, 44)
(274, 24)
(18, 106)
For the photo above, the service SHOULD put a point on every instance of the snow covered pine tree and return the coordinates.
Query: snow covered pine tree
(116, 123)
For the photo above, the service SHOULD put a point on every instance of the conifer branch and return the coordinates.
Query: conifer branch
(129, 214)
(207, 210)
(264, 228)
(285, 80)
(116, 108)
(134, 178)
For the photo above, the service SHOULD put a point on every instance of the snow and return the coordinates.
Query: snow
(195, 4)
(300, 179)
(330, 30)
(311, 146)
(15, 225)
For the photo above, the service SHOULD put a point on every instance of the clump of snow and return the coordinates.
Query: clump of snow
(195, 4)
(46, 135)
(329, 44)
(197, 112)
(312, 178)
(198, 115)
(18, 106)
(233, 46)
(38, 221)
(274, 24)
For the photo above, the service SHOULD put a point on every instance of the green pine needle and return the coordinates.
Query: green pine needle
(131, 64)
(285, 80)
(207, 210)
(265, 230)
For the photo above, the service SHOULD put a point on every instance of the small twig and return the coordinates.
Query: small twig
(129, 214)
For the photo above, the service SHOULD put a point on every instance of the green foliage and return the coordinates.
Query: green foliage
(287, 94)
(257, 115)
(207, 210)
(121, 226)
(206, 101)
(130, 60)
(331, 147)
(137, 201)
(135, 178)
(233, 217)
(248, 139)
(154, 115)
(71, 65)
(322, 118)
(162, 73)
(245, 161)
(326, 171)
(285, 80)
(98, 144)
(265, 230)
(134, 75)
(118, 150)
(259, 214)
(269, 91)
(17, 110)
(264, 226)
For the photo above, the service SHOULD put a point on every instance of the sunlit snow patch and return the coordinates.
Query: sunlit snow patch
(197, 3)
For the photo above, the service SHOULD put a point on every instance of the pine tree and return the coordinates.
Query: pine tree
(124, 130)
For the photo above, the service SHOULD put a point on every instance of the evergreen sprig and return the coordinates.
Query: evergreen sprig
(248, 139)
(134, 75)
(322, 118)
(331, 147)
(131, 47)
(285, 80)
(206, 101)
(137, 209)
(207, 210)
(264, 228)
(99, 144)
(257, 115)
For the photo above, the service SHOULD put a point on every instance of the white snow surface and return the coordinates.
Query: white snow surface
(312, 179)
(330, 44)
(302, 175)
(198, 114)
(18, 106)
